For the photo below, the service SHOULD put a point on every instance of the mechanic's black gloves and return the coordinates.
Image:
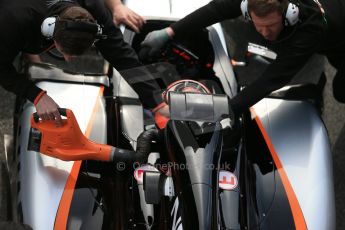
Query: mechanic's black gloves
(153, 43)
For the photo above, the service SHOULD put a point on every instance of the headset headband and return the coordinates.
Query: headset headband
(80, 25)
(290, 15)
(48, 26)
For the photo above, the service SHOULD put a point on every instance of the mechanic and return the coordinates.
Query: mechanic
(22, 22)
(121, 15)
(294, 29)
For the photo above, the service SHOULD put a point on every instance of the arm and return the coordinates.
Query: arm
(292, 56)
(114, 49)
(213, 12)
(16, 83)
(121, 55)
(122, 14)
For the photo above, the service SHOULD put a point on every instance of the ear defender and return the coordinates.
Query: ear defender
(48, 26)
(291, 14)
(244, 9)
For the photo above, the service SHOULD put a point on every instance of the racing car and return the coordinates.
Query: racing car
(112, 166)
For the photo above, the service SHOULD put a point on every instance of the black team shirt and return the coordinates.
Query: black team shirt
(20, 23)
(294, 46)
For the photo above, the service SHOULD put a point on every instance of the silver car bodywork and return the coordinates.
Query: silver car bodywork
(300, 140)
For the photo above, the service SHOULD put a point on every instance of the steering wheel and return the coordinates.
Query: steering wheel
(182, 86)
(174, 53)
(178, 54)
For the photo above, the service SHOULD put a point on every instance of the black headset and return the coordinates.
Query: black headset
(48, 26)
(290, 15)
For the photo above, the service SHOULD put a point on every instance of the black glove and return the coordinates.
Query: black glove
(153, 43)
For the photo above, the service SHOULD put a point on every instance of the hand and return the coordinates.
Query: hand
(123, 15)
(47, 110)
(154, 41)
